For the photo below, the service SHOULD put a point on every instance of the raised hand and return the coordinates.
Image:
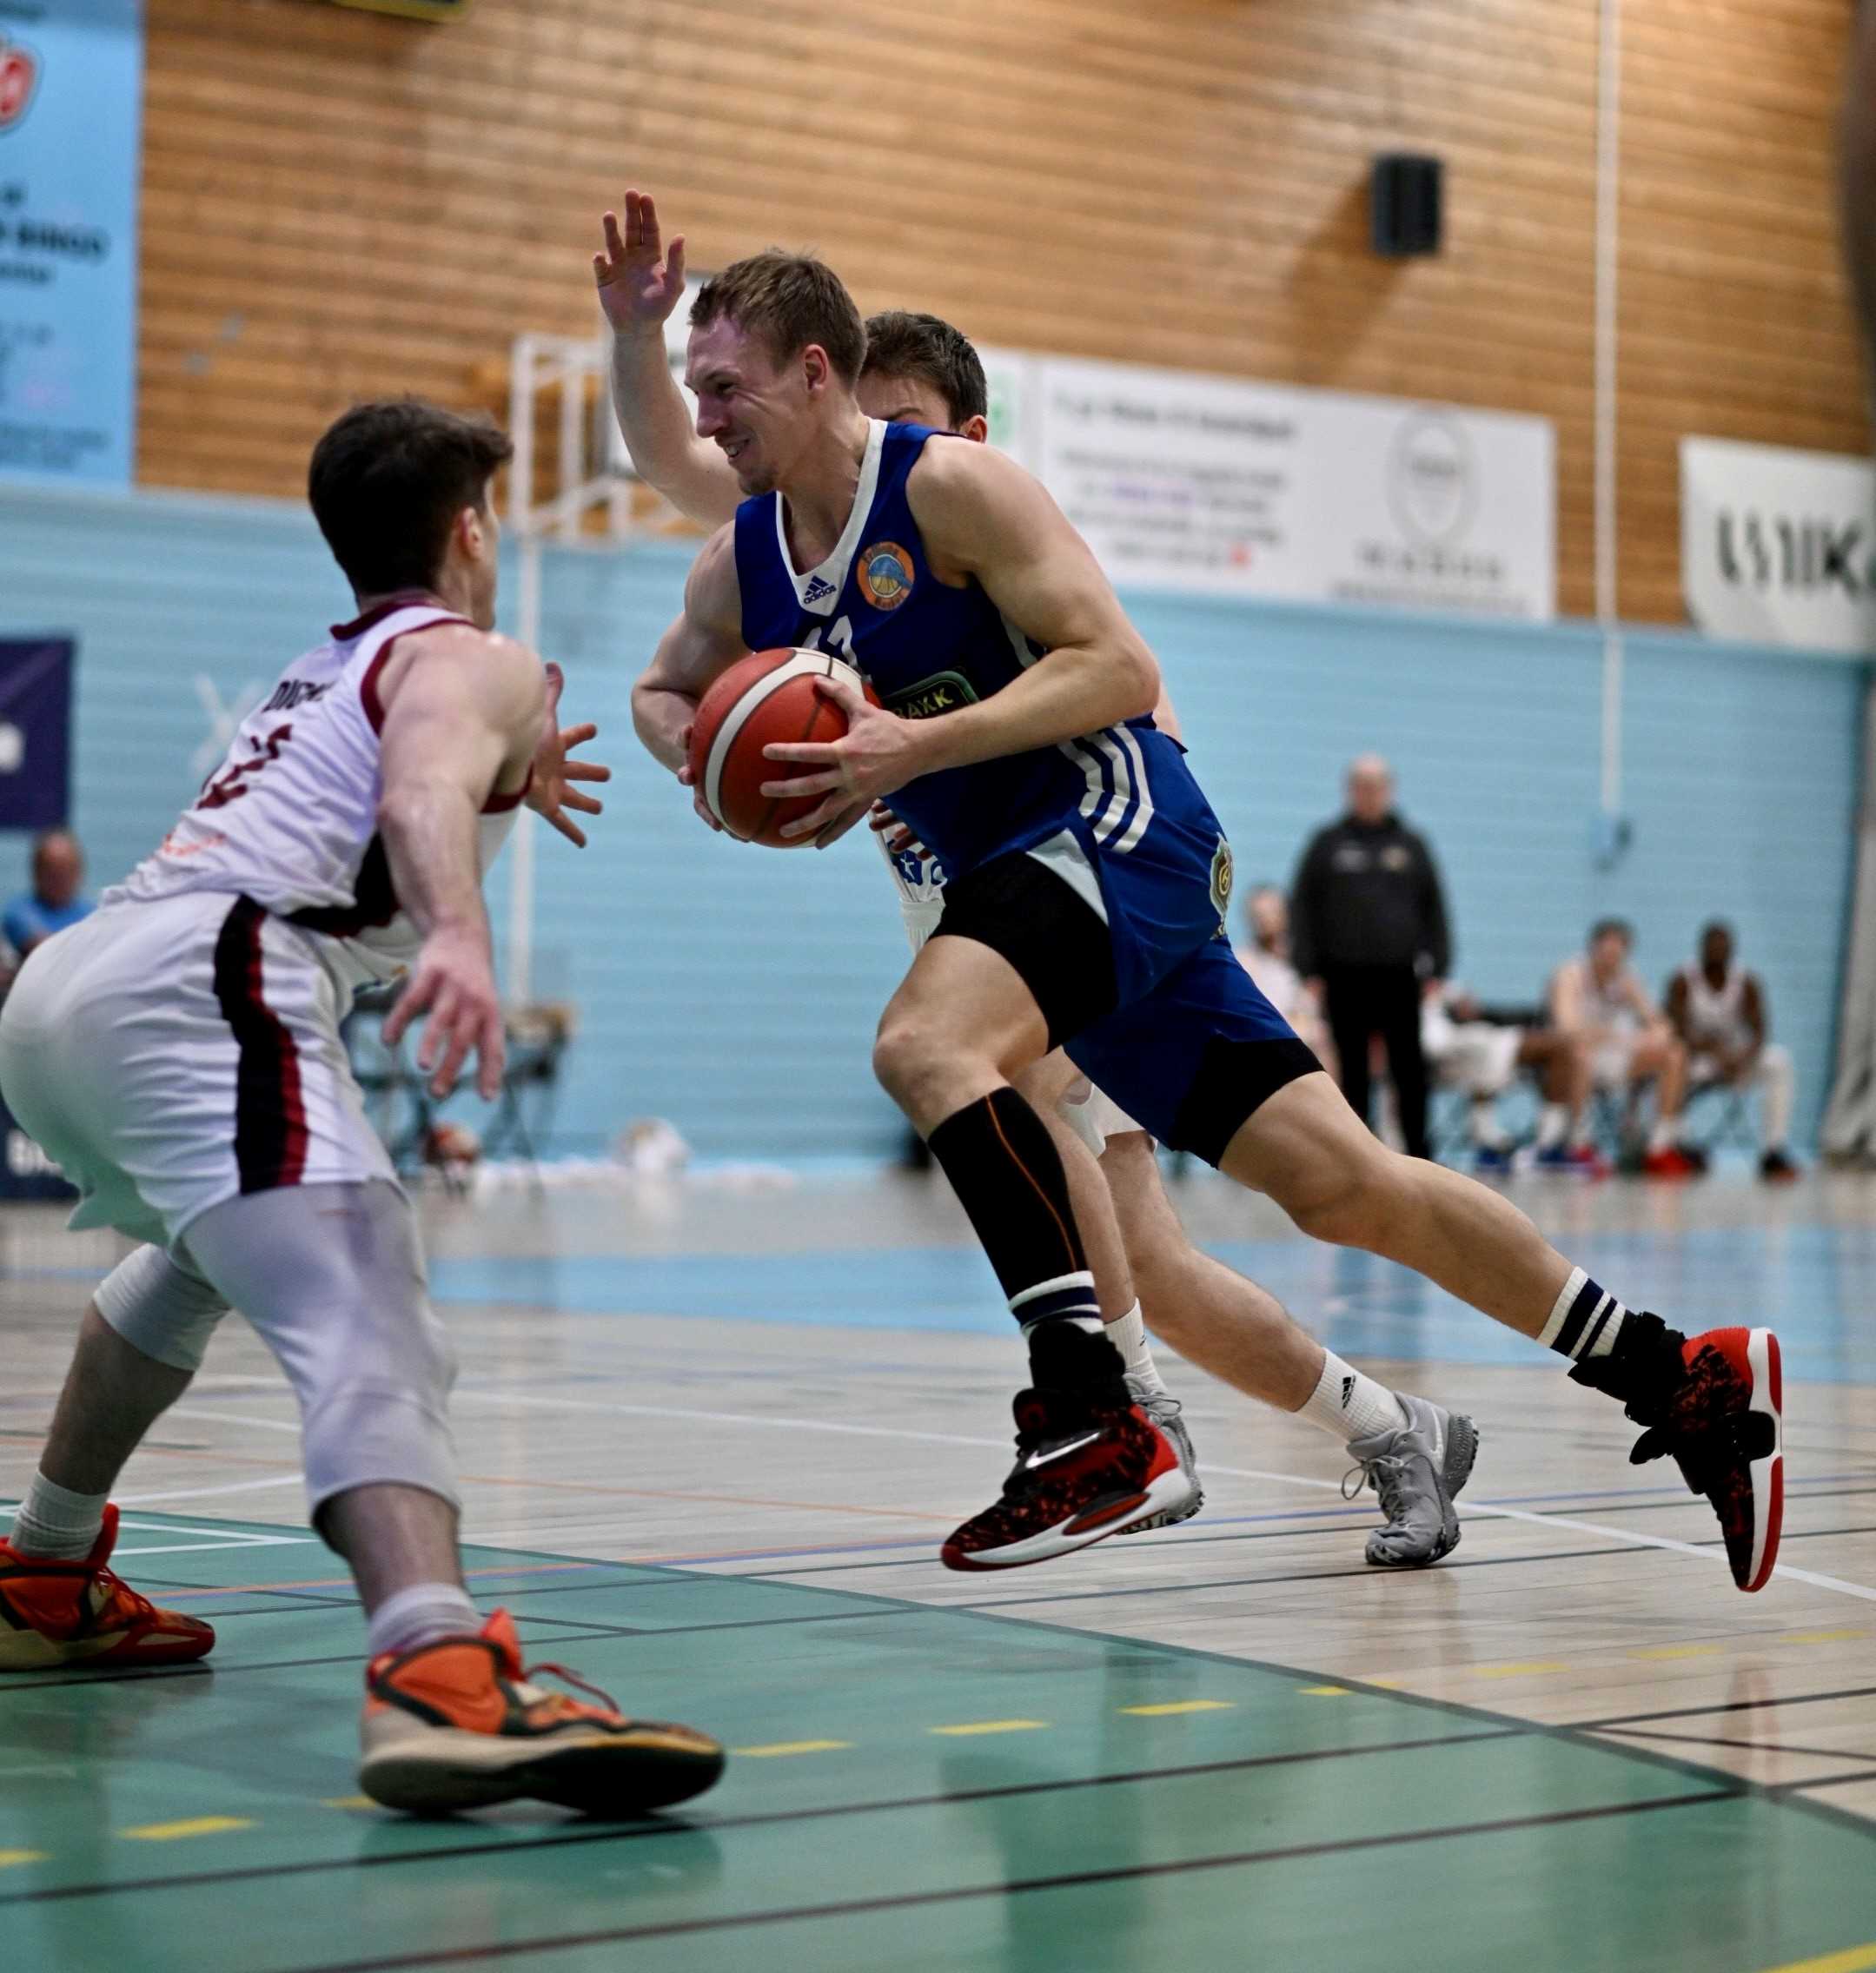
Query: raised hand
(548, 793)
(638, 282)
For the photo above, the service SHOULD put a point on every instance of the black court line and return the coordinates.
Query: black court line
(652, 1827)
(1823, 1781)
(1366, 1572)
(1720, 1705)
(1754, 1746)
(1007, 1888)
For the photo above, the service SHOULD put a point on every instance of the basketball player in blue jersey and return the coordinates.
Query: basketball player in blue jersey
(1087, 882)
(920, 370)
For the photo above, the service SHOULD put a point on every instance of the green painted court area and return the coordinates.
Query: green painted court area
(913, 1787)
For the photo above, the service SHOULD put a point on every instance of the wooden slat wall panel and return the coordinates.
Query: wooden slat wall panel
(336, 204)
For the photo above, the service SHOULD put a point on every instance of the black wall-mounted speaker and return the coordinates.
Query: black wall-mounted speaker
(1405, 204)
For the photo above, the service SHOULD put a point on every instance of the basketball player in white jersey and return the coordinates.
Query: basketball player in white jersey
(1417, 1456)
(1719, 1010)
(178, 1054)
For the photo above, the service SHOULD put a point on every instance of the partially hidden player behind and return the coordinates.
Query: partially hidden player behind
(178, 1054)
(918, 369)
(1085, 902)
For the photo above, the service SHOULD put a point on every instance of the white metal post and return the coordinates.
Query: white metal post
(1608, 190)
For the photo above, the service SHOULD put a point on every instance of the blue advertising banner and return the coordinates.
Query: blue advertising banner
(36, 733)
(71, 77)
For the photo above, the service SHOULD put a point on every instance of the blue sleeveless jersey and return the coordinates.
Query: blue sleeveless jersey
(927, 648)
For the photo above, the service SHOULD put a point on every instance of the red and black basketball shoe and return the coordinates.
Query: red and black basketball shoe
(1090, 1464)
(1724, 1427)
(54, 1613)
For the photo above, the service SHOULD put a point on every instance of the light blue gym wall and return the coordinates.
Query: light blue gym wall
(734, 989)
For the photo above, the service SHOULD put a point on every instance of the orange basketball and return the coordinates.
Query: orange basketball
(766, 696)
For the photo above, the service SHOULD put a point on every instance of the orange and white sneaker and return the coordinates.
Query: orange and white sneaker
(455, 1724)
(54, 1613)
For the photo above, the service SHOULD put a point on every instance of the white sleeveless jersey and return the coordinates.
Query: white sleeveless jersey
(290, 816)
(1716, 1015)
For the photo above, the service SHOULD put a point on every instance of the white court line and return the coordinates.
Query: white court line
(233, 1418)
(206, 1493)
(721, 1418)
(1474, 1507)
(225, 1547)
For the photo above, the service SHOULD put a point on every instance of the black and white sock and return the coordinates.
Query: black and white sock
(1585, 1322)
(1008, 1176)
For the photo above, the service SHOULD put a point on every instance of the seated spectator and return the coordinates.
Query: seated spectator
(1718, 1012)
(54, 900)
(1265, 956)
(1599, 998)
(1481, 1049)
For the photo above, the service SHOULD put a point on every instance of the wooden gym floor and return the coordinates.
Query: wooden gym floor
(713, 1433)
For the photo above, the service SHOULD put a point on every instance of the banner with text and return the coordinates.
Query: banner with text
(71, 75)
(1182, 480)
(1778, 546)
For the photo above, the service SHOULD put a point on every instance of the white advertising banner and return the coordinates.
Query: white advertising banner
(1778, 546)
(1182, 480)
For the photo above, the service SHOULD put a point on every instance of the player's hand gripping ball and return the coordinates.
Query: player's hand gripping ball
(769, 695)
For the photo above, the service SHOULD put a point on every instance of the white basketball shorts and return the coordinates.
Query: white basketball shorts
(171, 1054)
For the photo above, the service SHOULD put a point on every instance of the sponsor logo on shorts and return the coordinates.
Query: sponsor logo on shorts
(885, 574)
(1221, 878)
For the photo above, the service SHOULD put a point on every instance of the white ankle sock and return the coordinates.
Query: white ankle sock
(424, 1613)
(1662, 1137)
(1349, 1405)
(55, 1524)
(1128, 1334)
(1552, 1125)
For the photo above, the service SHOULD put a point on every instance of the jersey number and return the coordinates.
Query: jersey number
(232, 785)
(841, 637)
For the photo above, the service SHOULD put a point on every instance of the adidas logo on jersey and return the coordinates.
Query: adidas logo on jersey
(817, 591)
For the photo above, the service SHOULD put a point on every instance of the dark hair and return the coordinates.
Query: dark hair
(1619, 928)
(790, 300)
(388, 480)
(1717, 928)
(928, 350)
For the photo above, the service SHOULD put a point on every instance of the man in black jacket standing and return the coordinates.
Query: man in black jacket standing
(1367, 928)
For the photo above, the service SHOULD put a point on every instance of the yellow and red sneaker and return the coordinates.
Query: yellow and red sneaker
(54, 1614)
(455, 1724)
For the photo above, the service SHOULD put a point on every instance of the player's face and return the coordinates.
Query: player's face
(1608, 956)
(1716, 950)
(759, 412)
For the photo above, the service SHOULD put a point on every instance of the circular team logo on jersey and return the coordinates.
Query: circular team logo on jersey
(1221, 878)
(885, 574)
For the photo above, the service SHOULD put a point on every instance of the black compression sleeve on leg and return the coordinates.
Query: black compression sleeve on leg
(1007, 1173)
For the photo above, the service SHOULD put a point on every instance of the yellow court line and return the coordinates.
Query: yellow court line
(778, 1748)
(8, 1857)
(1854, 1959)
(1821, 1637)
(1528, 1671)
(1676, 1651)
(1179, 1706)
(198, 1825)
(992, 1726)
(1325, 1692)
(348, 1802)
